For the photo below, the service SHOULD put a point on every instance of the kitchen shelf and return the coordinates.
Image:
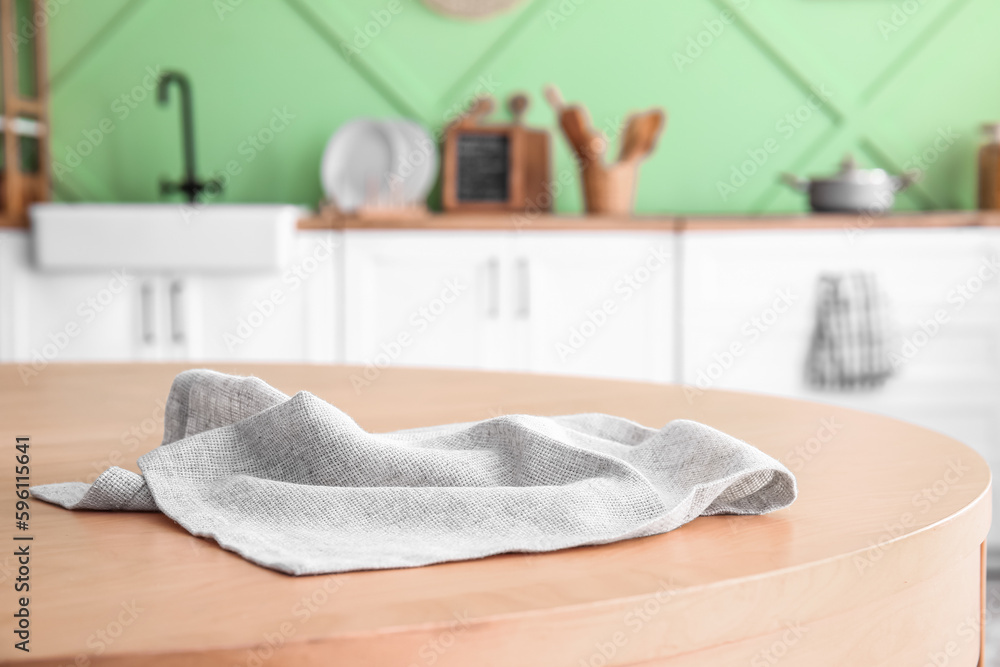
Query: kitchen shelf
(515, 222)
(24, 124)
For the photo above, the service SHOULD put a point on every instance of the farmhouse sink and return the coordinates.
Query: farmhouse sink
(168, 237)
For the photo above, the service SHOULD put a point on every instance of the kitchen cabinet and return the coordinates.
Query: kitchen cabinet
(121, 315)
(595, 303)
(757, 290)
(749, 309)
(55, 316)
(426, 298)
(592, 303)
(288, 315)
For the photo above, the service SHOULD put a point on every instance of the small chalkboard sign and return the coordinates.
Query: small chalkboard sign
(483, 167)
(493, 167)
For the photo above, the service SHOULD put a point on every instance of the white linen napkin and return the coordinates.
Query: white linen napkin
(294, 484)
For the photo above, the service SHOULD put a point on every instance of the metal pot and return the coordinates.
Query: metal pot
(853, 190)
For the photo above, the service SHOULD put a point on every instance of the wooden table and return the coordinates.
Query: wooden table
(878, 562)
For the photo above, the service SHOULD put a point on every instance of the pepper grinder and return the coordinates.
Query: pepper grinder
(989, 169)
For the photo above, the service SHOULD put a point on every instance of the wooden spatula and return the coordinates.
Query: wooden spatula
(641, 132)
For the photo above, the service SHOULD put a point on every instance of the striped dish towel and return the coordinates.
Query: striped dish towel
(849, 349)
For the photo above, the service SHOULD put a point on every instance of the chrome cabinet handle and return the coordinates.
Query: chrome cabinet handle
(523, 289)
(177, 311)
(148, 317)
(493, 285)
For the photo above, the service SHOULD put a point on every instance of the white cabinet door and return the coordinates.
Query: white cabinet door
(426, 298)
(288, 315)
(595, 303)
(77, 316)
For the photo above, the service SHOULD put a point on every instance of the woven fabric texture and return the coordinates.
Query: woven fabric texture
(294, 484)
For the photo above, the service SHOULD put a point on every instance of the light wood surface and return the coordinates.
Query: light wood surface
(878, 562)
(527, 222)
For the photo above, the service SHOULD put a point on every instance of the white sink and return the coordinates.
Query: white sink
(210, 238)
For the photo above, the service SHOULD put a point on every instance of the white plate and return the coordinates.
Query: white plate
(357, 163)
(416, 165)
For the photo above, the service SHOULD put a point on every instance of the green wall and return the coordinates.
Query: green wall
(899, 75)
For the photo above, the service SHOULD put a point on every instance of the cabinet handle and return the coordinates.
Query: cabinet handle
(177, 311)
(493, 285)
(148, 321)
(523, 289)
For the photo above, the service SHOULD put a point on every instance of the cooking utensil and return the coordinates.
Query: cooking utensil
(853, 190)
(641, 132)
(607, 188)
(575, 124)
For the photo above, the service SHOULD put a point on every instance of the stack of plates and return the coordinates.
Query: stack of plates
(378, 163)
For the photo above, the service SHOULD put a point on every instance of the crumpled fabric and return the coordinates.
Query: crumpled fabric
(294, 484)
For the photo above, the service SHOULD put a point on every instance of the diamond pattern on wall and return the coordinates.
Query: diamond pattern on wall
(899, 81)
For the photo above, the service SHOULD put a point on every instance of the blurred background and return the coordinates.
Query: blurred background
(896, 75)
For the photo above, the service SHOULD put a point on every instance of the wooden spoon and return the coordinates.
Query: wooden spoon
(574, 123)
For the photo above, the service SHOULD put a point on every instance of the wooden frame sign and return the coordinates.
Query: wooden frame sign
(494, 168)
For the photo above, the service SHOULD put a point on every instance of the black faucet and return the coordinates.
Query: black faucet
(190, 185)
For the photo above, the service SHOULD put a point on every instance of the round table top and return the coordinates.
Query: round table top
(882, 504)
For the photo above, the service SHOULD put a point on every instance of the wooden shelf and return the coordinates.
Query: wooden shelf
(520, 222)
(22, 117)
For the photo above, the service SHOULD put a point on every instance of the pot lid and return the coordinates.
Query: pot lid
(850, 173)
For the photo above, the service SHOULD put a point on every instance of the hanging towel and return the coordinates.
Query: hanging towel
(294, 484)
(850, 341)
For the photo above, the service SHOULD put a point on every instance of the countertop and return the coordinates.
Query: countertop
(525, 222)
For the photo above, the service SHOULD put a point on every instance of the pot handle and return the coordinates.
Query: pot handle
(793, 181)
(906, 179)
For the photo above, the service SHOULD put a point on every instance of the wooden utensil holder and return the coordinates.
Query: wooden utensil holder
(609, 189)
